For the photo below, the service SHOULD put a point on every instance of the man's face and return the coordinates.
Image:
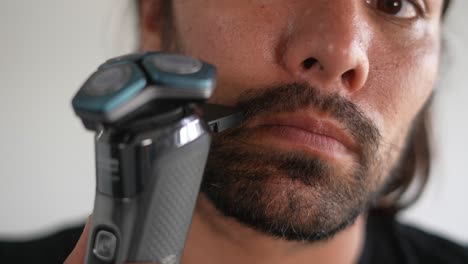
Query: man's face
(330, 88)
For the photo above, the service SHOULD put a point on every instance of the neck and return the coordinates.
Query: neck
(214, 238)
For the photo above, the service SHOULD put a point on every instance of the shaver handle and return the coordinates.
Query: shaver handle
(172, 200)
(153, 226)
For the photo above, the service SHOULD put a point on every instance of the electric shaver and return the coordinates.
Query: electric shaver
(152, 139)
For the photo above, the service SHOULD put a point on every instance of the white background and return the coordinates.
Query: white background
(47, 50)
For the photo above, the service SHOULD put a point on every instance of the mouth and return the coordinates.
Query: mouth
(307, 132)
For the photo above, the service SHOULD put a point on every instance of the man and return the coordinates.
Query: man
(336, 93)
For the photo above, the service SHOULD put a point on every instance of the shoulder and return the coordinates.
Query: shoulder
(53, 248)
(434, 248)
(408, 244)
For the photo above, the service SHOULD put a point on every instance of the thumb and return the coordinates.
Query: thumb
(77, 256)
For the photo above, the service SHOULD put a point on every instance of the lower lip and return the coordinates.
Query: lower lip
(299, 138)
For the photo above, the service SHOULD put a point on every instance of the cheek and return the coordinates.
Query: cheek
(239, 43)
(401, 81)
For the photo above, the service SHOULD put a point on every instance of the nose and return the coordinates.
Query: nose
(327, 46)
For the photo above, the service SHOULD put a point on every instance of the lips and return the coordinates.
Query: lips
(307, 130)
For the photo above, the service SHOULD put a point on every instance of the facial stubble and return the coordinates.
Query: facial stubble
(290, 194)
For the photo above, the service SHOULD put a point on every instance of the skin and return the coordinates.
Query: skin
(385, 64)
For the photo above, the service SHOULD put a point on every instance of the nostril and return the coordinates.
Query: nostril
(307, 64)
(348, 77)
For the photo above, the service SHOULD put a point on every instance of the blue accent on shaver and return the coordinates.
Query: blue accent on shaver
(83, 101)
(132, 57)
(202, 80)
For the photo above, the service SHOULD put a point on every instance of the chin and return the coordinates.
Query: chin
(296, 196)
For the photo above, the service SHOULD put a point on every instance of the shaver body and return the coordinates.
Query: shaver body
(151, 148)
(164, 170)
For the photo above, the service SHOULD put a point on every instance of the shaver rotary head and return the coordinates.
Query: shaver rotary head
(143, 84)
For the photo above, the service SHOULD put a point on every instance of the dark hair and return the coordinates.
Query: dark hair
(415, 162)
(446, 5)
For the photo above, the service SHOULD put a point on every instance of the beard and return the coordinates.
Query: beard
(290, 194)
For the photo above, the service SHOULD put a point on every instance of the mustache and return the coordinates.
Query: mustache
(297, 96)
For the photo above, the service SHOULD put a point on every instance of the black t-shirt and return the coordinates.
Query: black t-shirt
(387, 242)
(390, 242)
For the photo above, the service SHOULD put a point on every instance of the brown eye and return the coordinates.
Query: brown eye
(398, 8)
(392, 7)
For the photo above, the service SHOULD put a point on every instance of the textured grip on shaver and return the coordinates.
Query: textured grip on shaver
(171, 195)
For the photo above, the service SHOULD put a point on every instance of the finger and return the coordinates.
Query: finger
(77, 256)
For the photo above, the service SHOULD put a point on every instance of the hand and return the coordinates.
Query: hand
(77, 256)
